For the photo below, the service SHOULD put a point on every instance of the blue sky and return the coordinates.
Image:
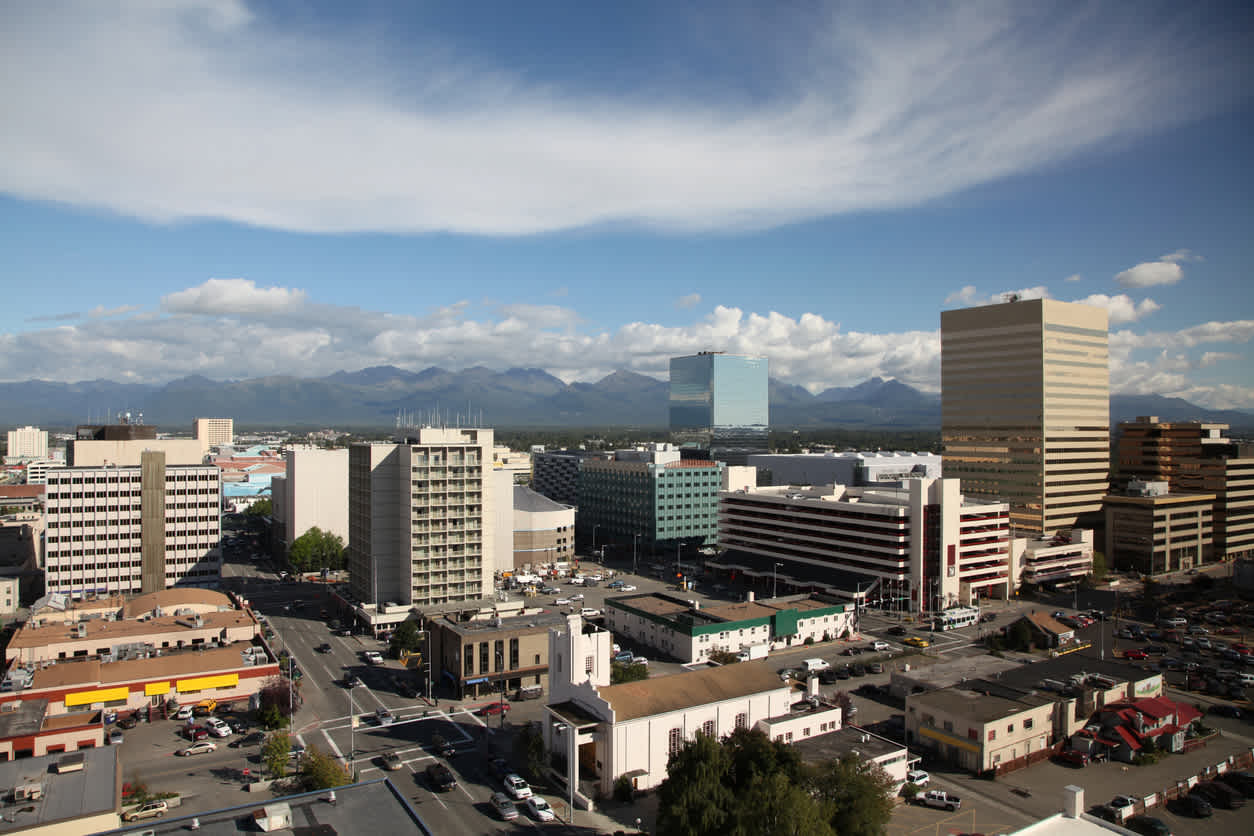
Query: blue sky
(236, 189)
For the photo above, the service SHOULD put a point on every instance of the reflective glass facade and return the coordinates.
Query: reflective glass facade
(720, 403)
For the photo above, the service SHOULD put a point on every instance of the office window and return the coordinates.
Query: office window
(1027, 724)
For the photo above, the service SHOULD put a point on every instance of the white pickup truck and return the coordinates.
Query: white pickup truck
(941, 799)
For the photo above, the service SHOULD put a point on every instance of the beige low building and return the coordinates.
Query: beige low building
(26, 730)
(980, 732)
(479, 657)
(1154, 531)
(108, 629)
(179, 645)
(61, 801)
(544, 530)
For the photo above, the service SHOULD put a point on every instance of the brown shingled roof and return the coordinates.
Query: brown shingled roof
(659, 695)
(1048, 623)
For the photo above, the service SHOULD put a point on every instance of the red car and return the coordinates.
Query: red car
(1136, 653)
(493, 708)
(1074, 757)
(194, 733)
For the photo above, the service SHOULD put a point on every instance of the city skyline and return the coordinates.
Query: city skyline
(236, 190)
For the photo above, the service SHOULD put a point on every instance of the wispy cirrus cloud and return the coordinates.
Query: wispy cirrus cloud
(301, 131)
(689, 301)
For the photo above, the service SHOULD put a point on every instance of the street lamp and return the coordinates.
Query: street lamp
(775, 580)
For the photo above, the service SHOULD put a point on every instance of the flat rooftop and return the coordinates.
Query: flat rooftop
(651, 604)
(837, 744)
(89, 672)
(93, 790)
(984, 708)
(56, 631)
(538, 621)
(376, 807)
(743, 611)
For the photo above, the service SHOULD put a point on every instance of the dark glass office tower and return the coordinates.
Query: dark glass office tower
(719, 405)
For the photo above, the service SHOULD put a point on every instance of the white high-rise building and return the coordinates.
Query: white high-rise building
(132, 529)
(28, 443)
(314, 492)
(421, 517)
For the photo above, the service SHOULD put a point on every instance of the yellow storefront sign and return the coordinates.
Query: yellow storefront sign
(949, 739)
(97, 695)
(200, 683)
(153, 689)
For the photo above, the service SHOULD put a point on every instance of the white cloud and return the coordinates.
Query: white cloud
(970, 296)
(174, 111)
(1150, 274)
(1166, 270)
(965, 296)
(1121, 308)
(689, 301)
(1074, 277)
(101, 310)
(239, 297)
(303, 337)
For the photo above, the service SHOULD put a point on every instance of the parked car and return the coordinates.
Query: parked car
(503, 806)
(1197, 806)
(876, 667)
(184, 713)
(254, 739)
(115, 738)
(561, 602)
(1136, 654)
(384, 717)
(627, 587)
(540, 809)
(217, 727)
(516, 787)
(1148, 826)
(147, 810)
(392, 761)
(880, 646)
(128, 722)
(373, 657)
(616, 584)
(352, 681)
(325, 647)
(441, 778)
(204, 747)
(194, 733)
(918, 777)
(442, 747)
(1224, 710)
(492, 709)
(897, 630)
(1074, 757)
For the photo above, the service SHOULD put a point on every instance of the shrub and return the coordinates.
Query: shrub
(623, 789)
(809, 641)
(910, 791)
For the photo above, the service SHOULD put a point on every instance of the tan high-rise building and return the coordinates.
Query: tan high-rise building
(214, 432)
(1025, 393)
(1192, 456)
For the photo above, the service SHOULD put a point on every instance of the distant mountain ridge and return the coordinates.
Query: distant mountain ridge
(519, 397)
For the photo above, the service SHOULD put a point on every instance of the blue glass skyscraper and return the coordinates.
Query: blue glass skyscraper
(719, 404)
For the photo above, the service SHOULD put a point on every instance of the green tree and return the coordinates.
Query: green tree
(1099, 566)
(774, 805)
(723, 657)
(406, 636)
(621, 672)
(275, 753)
(529, 749)
(316, 549)
(695, 799)
(260, 508)
(276, 696)
(754, 755)
(1019, 636)
(858, 792)
(320, 771)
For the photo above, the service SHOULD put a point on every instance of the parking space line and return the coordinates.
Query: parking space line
(336, 749)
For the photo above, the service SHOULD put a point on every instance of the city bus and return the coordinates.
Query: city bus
(955, 618)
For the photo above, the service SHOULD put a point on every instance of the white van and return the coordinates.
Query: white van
(814, 665)
(1246, 679)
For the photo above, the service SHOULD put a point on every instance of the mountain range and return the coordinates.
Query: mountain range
(374, 397)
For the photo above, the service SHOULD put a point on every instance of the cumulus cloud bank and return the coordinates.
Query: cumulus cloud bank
(186, 110)
(1166, 270)
(280, 331)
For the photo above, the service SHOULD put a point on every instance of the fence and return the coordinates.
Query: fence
(1027, 760)
(1243, 760)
